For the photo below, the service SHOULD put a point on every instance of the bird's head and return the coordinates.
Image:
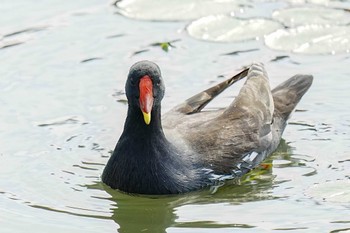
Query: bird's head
(145, 88)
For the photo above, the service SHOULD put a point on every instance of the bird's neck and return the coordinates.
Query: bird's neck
(136, 128)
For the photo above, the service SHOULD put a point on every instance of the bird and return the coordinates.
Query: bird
(189, 148)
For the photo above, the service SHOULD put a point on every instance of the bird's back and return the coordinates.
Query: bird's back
(244, 133)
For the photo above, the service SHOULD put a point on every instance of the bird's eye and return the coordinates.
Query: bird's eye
(158, 83)
(132, 82)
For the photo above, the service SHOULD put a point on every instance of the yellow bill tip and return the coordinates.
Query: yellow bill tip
(147, 117)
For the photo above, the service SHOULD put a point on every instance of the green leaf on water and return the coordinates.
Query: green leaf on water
(165, 46)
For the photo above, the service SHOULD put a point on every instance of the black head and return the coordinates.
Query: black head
(144, 87)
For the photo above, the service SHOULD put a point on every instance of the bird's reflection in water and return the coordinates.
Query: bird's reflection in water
(138, 213)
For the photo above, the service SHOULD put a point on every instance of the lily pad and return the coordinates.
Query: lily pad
(311, 39)
(330, 3)
(337, 191)
(292, 17)
(175, 10)
(326, 3)
(224, 28)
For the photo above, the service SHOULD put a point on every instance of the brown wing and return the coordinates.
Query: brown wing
(222, 138)
(197, 102)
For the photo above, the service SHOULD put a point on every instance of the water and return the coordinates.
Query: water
(62, 73)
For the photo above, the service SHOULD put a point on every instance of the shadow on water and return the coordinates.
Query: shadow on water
(138, 213)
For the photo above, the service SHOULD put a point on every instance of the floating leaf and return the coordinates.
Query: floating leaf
(223, 28)
(292, 17)
(165, 45)
(175, 10)
(329, 3)
(311, 39)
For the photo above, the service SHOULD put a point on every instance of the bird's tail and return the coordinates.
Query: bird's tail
(288, 94)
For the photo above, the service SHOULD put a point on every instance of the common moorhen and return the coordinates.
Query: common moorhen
(189, 149)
